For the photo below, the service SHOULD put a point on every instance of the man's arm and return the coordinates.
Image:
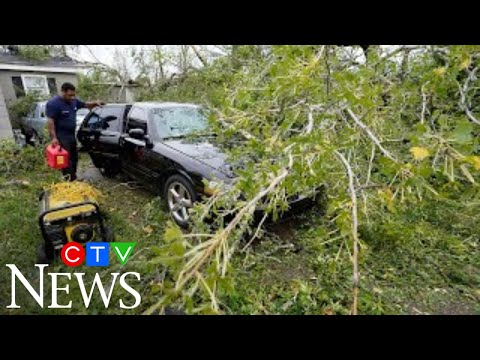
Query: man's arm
(52, 132)
(92, 104)
(52, 113)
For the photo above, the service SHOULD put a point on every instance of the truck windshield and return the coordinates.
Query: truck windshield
(178, 122)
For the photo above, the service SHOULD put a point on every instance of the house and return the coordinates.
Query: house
(20, 76)
(120, 92)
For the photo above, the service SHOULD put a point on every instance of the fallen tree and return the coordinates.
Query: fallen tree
(379, 141)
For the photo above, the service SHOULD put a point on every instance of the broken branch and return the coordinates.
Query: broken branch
(353, 195)
(371, 135)
(463, 96)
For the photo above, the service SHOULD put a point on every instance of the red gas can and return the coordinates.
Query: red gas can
(57, 157)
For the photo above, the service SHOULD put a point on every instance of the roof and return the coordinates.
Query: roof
(53, 64)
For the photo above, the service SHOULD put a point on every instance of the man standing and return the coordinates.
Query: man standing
(61, 112)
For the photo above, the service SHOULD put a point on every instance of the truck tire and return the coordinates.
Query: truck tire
(110, 169)
(30, 138)
(34, 140)
(97, 162)
(180, 195)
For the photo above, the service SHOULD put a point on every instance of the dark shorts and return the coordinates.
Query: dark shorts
(70, 173)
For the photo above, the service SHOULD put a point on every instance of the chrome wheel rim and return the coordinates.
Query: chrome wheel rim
(179, 201)
(34, 138)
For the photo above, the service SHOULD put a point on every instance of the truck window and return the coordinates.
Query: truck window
(116, 112)
(137, 119)
(94, 120)
(138, 114)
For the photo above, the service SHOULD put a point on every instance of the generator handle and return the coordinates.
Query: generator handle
(71, 206)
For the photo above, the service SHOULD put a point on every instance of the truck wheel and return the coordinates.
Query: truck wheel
(42, 139)
(180, 196)
(35, 139)
(96, 161)
(30, 138)
(110, 170)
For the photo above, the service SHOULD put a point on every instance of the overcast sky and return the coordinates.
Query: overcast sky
(104, 53)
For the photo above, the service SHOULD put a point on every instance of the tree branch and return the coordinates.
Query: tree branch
(424, 104)
(100, 64)
(219, 240)
(199, 56)
(353, 195)
(311, 122)
(370, 165)
(463, 96)
(370, 134)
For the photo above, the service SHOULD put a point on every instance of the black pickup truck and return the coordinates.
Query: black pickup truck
(166, 146)
(99, 135)
(151, 143)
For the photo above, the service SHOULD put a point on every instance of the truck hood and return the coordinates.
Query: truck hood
(204, 151)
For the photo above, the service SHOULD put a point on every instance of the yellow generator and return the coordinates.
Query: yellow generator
(69, 212)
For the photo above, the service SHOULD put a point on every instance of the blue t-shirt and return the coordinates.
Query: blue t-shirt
(64, 115)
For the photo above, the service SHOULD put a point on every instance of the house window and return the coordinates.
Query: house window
(52, 86)
(18, 86)
(35, 84)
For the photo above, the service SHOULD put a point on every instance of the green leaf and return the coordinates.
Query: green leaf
(172, 233)
(463, 132)
(177, 248)
(443, 120)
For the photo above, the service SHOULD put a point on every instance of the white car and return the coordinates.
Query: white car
(34, 124)
(81, 114)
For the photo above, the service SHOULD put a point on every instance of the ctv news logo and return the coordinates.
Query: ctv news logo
(74, 255)
(97, 254)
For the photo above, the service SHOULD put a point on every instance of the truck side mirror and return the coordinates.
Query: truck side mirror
(138, 134)
(110, 118)
(106, 120)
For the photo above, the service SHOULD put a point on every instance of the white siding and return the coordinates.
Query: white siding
(5, 126)
(9, 91)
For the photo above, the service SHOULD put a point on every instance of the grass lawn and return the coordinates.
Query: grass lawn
(296, 268)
